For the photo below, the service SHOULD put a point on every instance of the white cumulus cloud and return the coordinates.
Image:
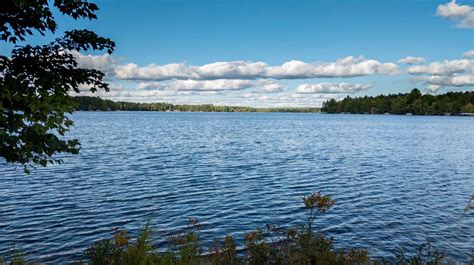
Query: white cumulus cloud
(469, 54)
(436, 75)
(346, 67)
(457, 80)
(198, 85)
(330, 88)
(269, 86)
(105, 63)
(266, 86)
(463, 15)
(446, 67)
(412, 60)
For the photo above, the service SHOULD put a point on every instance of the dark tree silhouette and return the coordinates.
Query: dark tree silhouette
(36, 81)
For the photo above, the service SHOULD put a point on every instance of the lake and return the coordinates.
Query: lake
(397, 180)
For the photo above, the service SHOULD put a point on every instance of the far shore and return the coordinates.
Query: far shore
(295, 110)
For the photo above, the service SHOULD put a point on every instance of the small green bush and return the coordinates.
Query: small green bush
(121, 250)
(15, 259)
(426, 253)
(272, 245)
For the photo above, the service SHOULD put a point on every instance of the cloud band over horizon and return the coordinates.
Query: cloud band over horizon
(297, 81)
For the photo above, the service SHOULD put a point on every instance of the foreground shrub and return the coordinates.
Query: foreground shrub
(121, 250)
(426, 253)
(15, 259)
(272, 245)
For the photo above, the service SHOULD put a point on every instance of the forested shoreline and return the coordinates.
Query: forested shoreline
(85, 103)
(452, 103)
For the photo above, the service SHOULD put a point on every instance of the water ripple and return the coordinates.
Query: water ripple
(397, 180)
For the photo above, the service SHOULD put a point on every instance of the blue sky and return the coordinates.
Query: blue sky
(153, 34)
(200, 32)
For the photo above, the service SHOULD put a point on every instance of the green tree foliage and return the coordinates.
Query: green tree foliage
(35, 81)
(413, 102)
(96, 103)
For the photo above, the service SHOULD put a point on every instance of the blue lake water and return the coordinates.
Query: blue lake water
(397, 180)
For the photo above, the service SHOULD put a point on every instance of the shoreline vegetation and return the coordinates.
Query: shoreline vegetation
(300, 245)
(86, 103)
(413, 103)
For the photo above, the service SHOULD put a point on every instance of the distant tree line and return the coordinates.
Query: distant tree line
(414, 102)
(85, 103)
